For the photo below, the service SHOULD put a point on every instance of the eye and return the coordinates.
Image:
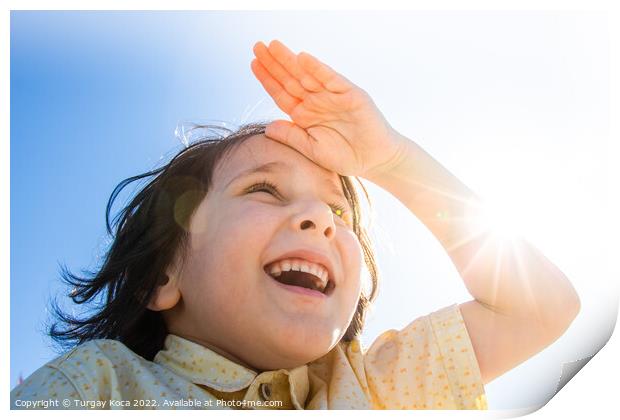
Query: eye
(339, 210)
(264, 186)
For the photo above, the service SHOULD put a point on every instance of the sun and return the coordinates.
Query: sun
(501, 217)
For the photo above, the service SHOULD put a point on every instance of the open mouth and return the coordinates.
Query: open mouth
(303, 280)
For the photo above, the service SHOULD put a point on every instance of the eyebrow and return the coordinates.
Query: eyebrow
(279, 167)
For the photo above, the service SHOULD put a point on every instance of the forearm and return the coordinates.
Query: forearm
(438, 199)
(508, 276)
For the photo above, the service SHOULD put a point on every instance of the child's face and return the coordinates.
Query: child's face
(228, 302)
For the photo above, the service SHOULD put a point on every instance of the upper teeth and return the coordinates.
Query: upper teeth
(296, 264)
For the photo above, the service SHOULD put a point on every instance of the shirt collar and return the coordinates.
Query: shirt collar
(203, 366)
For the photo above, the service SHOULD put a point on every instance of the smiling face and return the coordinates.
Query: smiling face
(227, 301)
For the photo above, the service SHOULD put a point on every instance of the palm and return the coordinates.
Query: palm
(334, 122)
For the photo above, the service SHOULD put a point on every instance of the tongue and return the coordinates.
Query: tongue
(297, 278)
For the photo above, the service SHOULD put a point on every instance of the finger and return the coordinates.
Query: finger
(291, 135)
(281, 97)
(288, 60)
(332, 80)
(286, 80)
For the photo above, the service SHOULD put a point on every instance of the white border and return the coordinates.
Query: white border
(590, 394)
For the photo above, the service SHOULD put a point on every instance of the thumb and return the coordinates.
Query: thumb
(291, 135)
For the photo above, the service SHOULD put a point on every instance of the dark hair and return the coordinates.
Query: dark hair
(149, 232)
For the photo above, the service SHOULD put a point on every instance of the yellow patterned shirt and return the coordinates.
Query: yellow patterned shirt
(429, 364)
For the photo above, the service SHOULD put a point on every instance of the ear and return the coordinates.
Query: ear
(166, 296)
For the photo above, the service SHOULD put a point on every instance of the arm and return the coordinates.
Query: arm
(522, 302)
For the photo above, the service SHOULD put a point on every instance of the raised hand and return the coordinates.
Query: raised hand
(334, 122)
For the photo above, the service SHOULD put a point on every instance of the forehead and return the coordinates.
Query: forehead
(261, 151)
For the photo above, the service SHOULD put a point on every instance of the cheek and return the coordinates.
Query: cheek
(353, 261)
(240, 234)
(224, 260)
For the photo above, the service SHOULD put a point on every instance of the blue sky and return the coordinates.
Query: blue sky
(95, 98)
(514, 104)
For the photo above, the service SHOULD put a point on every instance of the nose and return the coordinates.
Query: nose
(316, 216)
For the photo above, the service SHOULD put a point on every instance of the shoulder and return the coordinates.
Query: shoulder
(437, 328)
(97, 362)
(85, 372)
(94, 355)
(43, 384)
(432, 355)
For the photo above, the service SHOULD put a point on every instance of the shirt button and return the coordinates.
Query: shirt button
(265, 391)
